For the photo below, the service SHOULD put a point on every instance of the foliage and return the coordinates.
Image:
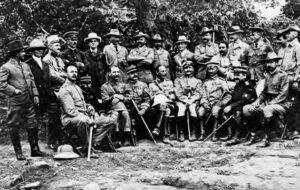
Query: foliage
(292, 9)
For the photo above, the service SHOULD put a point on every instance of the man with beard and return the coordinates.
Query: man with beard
(162, 92)
(116, 54)
(96, 66)
(141, 96)
(118, 94)
(182, 55)
(204, 52)
(142, 57)
(17, 82)
(189, 94)
(57, 78)
(76, 115)
(72, 55)
(237, 47)
(257, 51)
(271, 105)
(162, 56)
(218, 95)
(243, 93)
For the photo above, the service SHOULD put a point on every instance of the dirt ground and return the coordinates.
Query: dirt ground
(178, 166)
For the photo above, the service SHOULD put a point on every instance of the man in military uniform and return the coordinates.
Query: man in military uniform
(118, 94)
(77, 115)
(218, 96)
(189, 94)
(162, 56)
(72, 55)
(116, 54)
(272, 101)
(257, 51)
(17, 82)
(182, 55)
(57, 78)
(141, 96)
(96, 66)
(237, 47)
(243, 93)
(162, 92)
(204, 52)
(143, 58)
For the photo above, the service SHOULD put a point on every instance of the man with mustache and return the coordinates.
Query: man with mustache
(272, 104)
(118, 94)
(17, 83)
(142, 57)
(204, 52)
(116, 54)
(162, 92)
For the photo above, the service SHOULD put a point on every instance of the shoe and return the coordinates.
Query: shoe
(20, 156)
(264, 143)
(226, 138)
(117, 144)
(156, 132)
(37, 153)
(214, 138)
(126, 142)
(233, 141)
(201, 138)
(193, 137)
(172, 137)
(166, 140)
(94, 155)
(251, 141)
(181, 137)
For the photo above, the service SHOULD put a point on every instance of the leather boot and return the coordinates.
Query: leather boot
(193, 130)
(180, 131)
(32, 138)
(265, 142)
(127, 139)
(202, 131)
(251, 140)
(229, 134)
(166, 139)
(15, 138)
(214, 137)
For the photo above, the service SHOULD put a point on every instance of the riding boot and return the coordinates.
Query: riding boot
(15, 139)
(202, 131)
(265, 142)
(180, 130)
(157, 128)
(127, 141)
(35, 151)
(229, 134)
(193, 129)
(235, 139)
(251, 140)
(166, 131)
(214, 137)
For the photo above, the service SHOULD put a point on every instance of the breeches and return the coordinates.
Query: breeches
(268, 111)
(182, 109)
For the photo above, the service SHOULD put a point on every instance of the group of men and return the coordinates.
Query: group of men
(148, 92)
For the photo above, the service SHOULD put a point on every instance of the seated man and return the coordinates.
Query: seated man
(117, 94)
(162, 92)
(243, 93)
(188, 92)
(218, 96)
(76, 113)
(272, 101)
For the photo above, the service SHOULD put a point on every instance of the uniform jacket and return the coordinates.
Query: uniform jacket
(276, 88)
(140, 94)
(243, 93)
(72, 55)
(162, 57)
(12, 78)
(236, 50)
(179, 58)
(291, 58)
(217, 91)
(165, 87)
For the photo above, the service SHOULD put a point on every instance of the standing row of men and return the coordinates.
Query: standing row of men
(208, 86)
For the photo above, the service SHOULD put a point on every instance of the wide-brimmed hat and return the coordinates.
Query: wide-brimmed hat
(141, 34)
(131, 68)
(271, 56)
(65, 152)
(182, 39)
(292, 27)
(36, 44)
(92, 35)
(53, 39)
(157, 38)
(187, 63)
(114, 32)
(85, 79)
(235, 30)
(15, 45)
(205, 30)
(71, 34)
(256, 28)
(240, 69)
(213, 61)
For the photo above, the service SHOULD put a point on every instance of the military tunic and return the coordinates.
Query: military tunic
(144, 68)
(141, 94)
(236, 51)
(203, 54)
(179, 58)
(162, 57)
(71, 56)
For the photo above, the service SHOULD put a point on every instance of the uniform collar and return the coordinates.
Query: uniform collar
(293, 42)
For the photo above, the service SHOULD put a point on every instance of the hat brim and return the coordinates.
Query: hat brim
(289, 29)
(66, 156)
(208, 31)
(37, 47)
(272, 59)
(256, 29)
(131, 71)
(17, 49)
(236, 32)
(183, 41)
(140, 36)
(111, 34)
(87, 39)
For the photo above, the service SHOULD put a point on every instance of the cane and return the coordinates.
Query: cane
(90, 142)
(188, 122)
(218, 128)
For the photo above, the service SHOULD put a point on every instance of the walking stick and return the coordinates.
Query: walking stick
(283, 133)
(111, 143)
(188, 122)
(218, 128)
(143, 120)
(90, 142)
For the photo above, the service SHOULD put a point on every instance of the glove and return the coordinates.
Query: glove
(142, 112)
(91, 111)
(119, 96)
(227, 109)
(216, 110)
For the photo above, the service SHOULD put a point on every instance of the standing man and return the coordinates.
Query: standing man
(17, 82)
(204, 52)
(162, 92)
(57, 78)
(257, 51)
(189, 94)
(118, 94)
(272, 104)
(116, 54)
(237, 47)
(162, 56)
(182, 55)
(77, 114)
(143, 58)
(96, 66)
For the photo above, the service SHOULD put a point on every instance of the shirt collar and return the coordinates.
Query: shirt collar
(293, 42)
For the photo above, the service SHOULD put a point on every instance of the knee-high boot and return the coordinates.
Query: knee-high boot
(193, 129)
(15, 139)
(202, 130)
(33, 141)
(180, 129)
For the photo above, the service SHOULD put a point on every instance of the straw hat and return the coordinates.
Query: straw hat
(92, 35)
(141, 34)
(182, 39)
(157, 37)
(114, 32)
(235, 30)
(36, 44)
